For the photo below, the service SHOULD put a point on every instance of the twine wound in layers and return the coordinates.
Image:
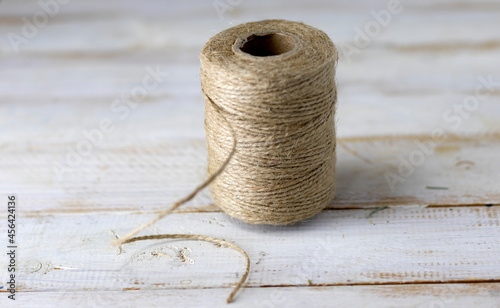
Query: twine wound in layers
(274, 82)
(270, 99)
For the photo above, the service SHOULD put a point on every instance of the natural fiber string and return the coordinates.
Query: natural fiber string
(274, 81)
(187, 198)
(128, 238)
(274, 161)
(206, 239)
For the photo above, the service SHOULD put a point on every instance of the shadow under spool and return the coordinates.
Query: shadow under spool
(271, 85)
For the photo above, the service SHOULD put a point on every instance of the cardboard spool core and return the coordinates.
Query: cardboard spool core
(272, 44)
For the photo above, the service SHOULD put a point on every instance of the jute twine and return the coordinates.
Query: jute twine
(274, 82)
(270, 97)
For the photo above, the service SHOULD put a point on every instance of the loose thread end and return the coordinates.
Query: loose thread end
(231, 296)
(123, 240)
(117, 242)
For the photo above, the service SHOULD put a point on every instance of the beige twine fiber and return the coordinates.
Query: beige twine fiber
(270, 98)
(281, 104)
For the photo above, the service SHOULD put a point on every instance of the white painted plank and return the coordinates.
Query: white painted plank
(76, 93)
(151, 175)
(72, 252)
(126, 25)
(404, 296)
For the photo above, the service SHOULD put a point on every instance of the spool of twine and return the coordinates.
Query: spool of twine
(270, 98)
(271, 86)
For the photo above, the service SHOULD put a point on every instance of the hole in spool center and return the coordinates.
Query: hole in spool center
(272, 44)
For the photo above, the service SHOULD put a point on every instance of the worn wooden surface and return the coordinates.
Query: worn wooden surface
(437, 244)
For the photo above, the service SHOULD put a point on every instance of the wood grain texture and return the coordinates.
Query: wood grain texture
(409, 81)
(397, 245)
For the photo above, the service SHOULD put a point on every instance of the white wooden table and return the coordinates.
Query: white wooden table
(87, 164)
